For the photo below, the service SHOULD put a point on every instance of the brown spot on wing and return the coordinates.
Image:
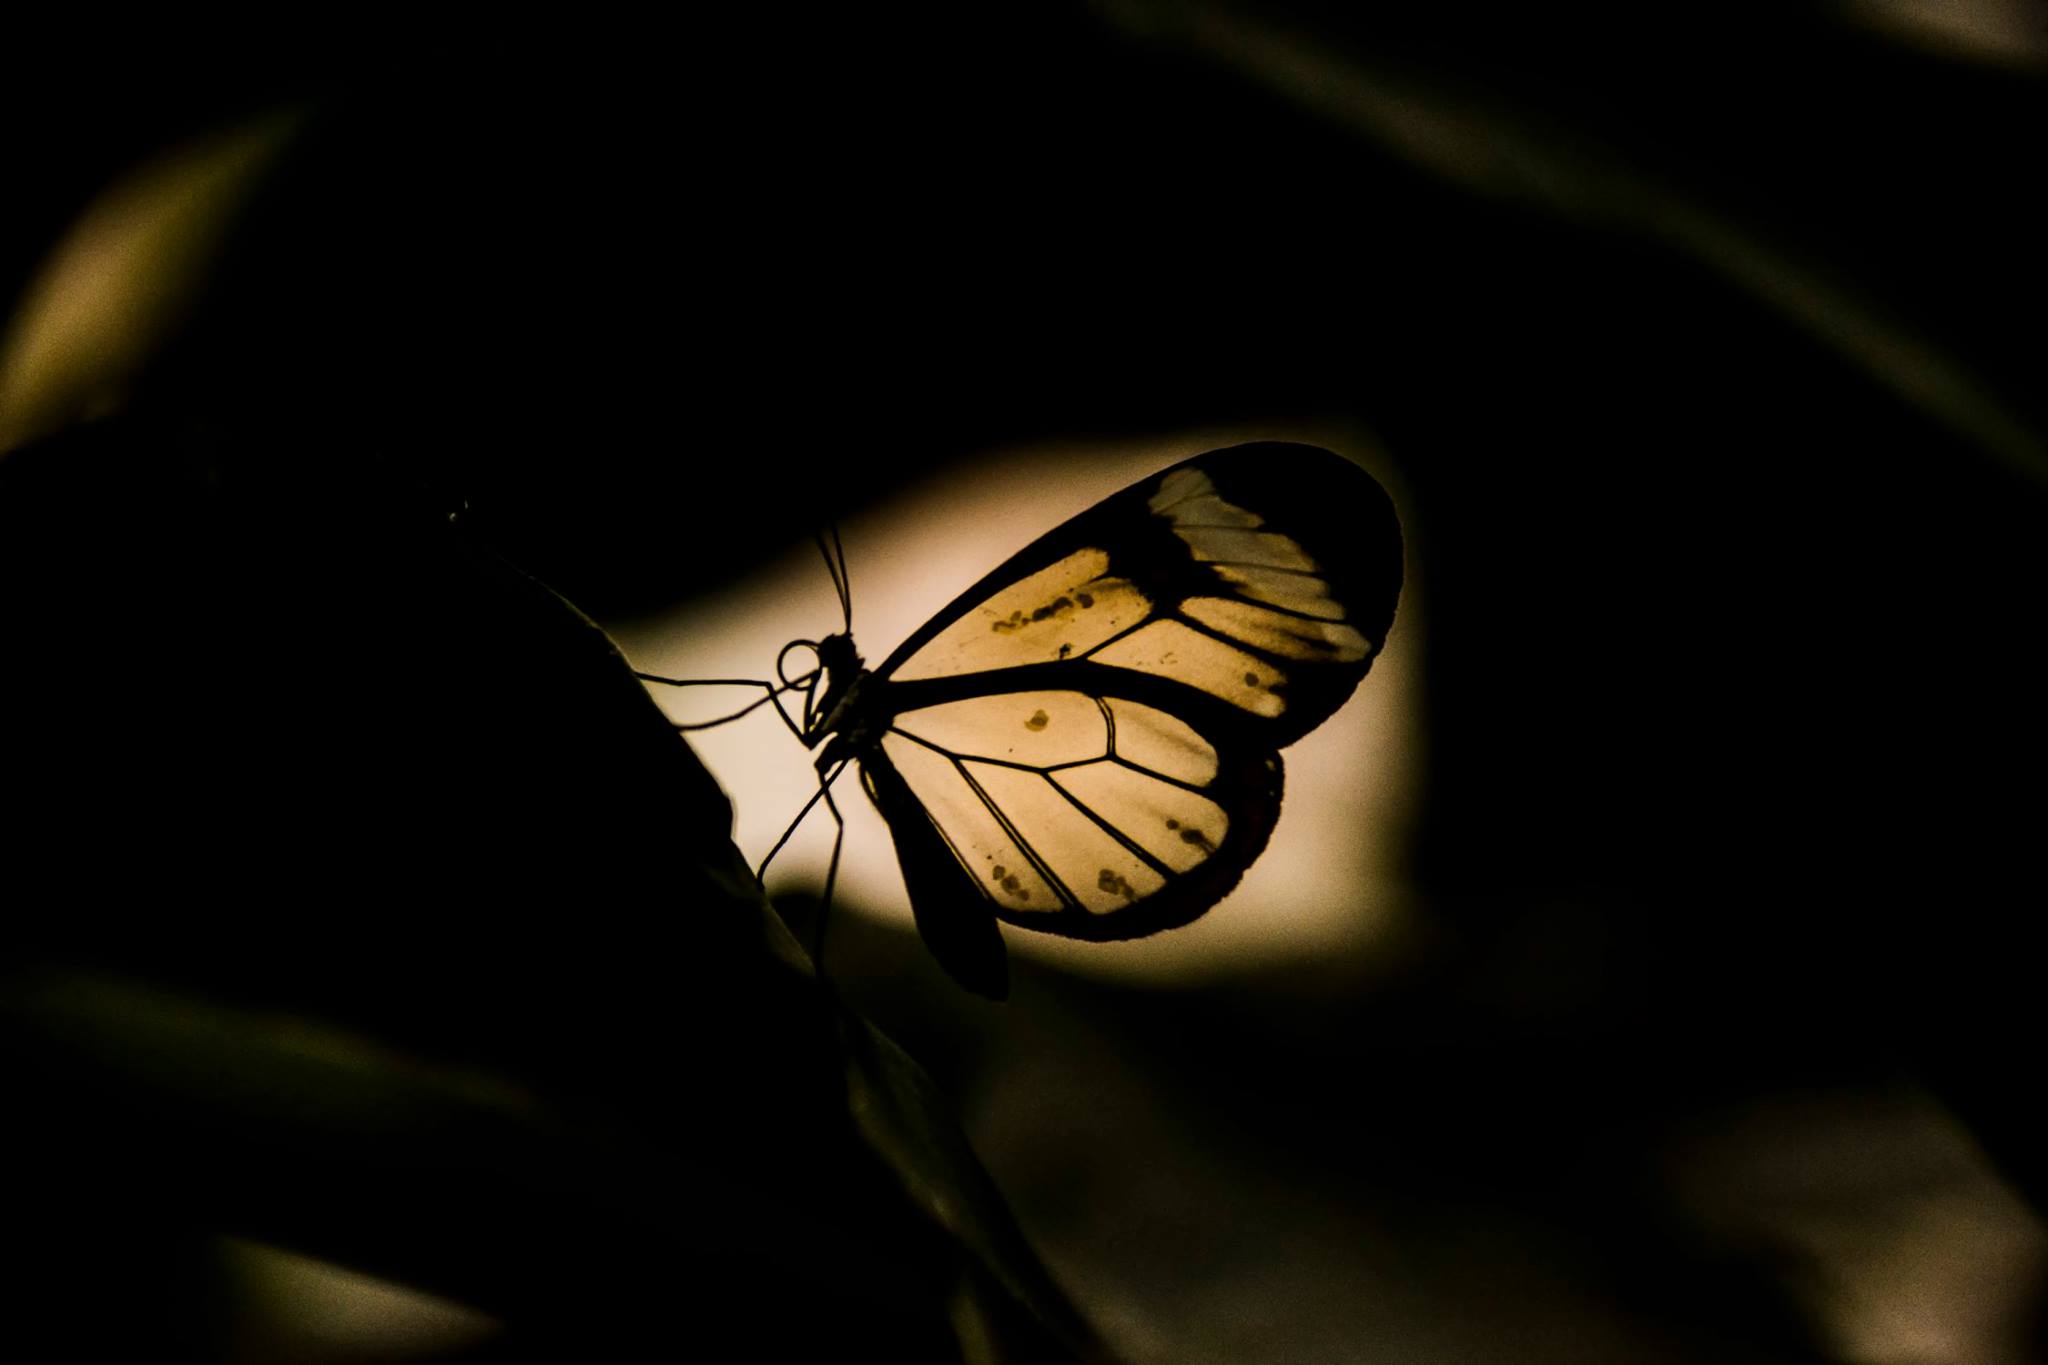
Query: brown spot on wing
(1109, 881)
(1062, 605)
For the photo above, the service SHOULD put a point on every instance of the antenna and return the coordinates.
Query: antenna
(835, 565)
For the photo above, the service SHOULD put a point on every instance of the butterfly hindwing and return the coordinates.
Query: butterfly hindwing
(1086, 741)
(1094, 817)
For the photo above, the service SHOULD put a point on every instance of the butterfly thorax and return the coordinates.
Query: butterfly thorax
(838, 712)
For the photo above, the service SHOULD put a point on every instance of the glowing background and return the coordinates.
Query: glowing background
(1330, 880)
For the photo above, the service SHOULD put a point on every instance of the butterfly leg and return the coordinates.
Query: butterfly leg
(770, 692)
(831, 876)
(824, 793)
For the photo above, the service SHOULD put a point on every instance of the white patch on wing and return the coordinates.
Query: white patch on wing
(1039, 728)
(1221, 532)
(1060, 612)
(1177, 487)
(1300, 592)
(1164, 743)
(1173, 650)
(1188, 497)
(1215, 512)
(1278, 633)
(992, 858)
(1174, 825)
(1227, 545)
(1099, 872)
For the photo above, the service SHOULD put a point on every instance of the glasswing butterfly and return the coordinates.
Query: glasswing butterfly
(1086, 741)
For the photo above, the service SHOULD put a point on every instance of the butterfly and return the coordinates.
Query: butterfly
(1087, 741)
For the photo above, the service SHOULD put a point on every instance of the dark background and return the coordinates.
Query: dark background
(1707, 348)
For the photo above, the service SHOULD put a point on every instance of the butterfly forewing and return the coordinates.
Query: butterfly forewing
(1062, 610)
(1264, 576)
(1086, 741)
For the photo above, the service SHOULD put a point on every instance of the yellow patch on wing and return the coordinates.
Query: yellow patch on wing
(1177, 651)
(1276, 632)
(1178, 827)
(1039, 728)
(1098, 871)
(1061, 612)
(991, 856)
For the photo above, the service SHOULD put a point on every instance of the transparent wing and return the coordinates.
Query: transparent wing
(1263, 576)
(1091, 816)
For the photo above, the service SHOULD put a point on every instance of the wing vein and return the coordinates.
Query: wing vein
(1188, 497)
(958, 857)
(1147, 619)
(1039, 768)
(1236, 593)
(1009, 827)
(1168, 778)
(1277, 662)
(1269, 568)
(1024, 846)
(1113, 832)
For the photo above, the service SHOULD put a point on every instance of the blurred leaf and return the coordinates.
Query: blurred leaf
(114, 288)
(425, 949)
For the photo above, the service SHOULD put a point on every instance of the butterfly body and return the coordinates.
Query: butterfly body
(1086, 742)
